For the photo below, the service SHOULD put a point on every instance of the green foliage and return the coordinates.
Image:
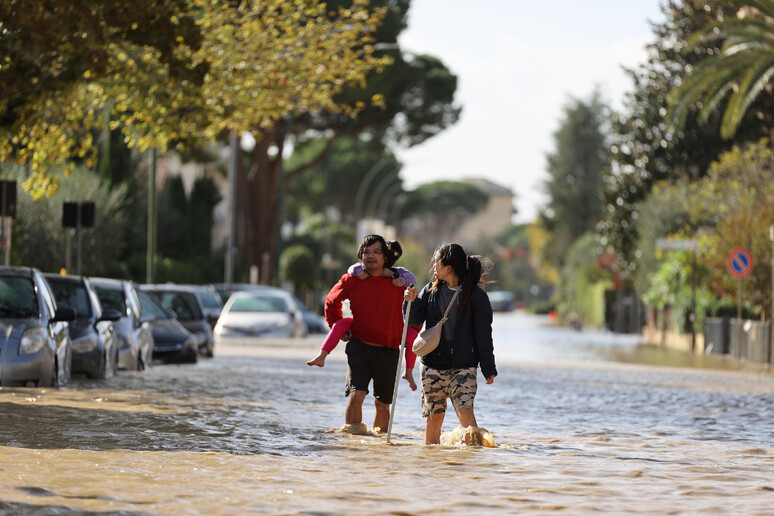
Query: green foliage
(331, 242)
(358, 178)
(184, 226)
(575, 169)
(197, 76)
(41, 241)
(733, 206)
(740, 72)
(583, 283)
(672, 286)
(664, 213)
(513, 269)
(644, 148)
(298, 266)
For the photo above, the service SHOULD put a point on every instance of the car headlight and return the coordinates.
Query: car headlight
(33, 341)
(85, 344)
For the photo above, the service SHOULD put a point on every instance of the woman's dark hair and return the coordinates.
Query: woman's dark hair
(471, 270)
(391, 250)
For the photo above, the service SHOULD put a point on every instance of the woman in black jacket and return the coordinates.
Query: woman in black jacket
(449, 371)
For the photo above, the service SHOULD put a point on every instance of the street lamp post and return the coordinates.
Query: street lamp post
(230, 244)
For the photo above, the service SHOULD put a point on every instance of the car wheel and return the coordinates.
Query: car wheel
(114, 364)
(53, 381)
(102, 369)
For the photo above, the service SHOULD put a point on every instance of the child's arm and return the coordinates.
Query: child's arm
(402, 277)
(356, 269)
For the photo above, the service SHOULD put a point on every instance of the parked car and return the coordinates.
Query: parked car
(297, 307)
(502, 300)
(315, 323)
(95, 349)
(133, 332)
(187, 307)
(171, 341)
(34, 340)
(261, 313)
(210, 300)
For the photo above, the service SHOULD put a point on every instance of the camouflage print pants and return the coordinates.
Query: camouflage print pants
(439, 385)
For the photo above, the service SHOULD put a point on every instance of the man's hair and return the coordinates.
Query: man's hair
(370, 240)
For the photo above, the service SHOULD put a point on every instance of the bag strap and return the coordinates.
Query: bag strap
(451, 303)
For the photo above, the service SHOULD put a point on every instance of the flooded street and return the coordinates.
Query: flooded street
(583, 421)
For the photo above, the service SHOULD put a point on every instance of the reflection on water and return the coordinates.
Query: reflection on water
(574, 428)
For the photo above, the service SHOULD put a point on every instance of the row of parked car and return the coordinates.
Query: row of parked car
(53, 326)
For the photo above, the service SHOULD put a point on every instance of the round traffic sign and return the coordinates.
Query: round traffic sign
(739, 262)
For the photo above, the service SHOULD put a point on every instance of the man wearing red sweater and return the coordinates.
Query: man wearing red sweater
(374, 339)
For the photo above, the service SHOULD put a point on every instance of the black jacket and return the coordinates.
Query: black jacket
(472, 344)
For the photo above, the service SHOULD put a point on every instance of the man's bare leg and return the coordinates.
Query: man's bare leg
(433, 428)
(354, 413)
(382, 417)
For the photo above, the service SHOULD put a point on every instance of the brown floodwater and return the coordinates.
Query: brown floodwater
(582, 422)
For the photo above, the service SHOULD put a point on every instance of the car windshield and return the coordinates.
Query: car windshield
(71, 295)
(17, 297)
(208, 299)
(111, 298)
(258, 304)
(182, 303)
(151, 306)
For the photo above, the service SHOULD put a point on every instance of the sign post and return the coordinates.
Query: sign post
(739, 263)
(77, 215)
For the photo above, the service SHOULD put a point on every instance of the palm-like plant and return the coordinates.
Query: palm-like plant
(740, 71)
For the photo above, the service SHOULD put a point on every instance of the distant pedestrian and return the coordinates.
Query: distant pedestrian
(449, 371)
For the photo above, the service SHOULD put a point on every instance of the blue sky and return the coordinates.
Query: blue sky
(518, 63)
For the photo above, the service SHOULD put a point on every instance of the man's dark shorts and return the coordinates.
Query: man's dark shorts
(366, 363)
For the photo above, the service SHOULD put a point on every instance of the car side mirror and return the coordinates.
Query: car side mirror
(146, 318)
(110, 315)
(64, 314)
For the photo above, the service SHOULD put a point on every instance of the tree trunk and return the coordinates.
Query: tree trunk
(258, 204)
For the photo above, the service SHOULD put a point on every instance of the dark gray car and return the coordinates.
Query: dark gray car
(95, 350)
(187, 307)
(34, 340)
(133, 332)
(171, 341)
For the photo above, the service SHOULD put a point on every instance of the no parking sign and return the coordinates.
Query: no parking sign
(739, 262)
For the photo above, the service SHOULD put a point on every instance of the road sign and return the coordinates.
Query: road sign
(739, 262)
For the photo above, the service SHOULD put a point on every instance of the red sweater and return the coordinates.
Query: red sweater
(377, 309)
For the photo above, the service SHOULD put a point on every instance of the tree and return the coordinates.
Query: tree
(443, 206)
(259, 62)
(49, 46)
(417, 102)
(575, 169)
(40, 240)
(732, 206)
(644, 147)
(357, 178)
(737, 74)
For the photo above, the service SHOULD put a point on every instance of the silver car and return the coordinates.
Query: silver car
(265, 313)
(34, 341)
